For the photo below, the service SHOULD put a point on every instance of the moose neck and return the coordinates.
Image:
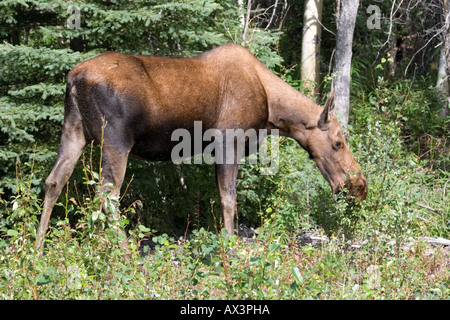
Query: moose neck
(291, 112)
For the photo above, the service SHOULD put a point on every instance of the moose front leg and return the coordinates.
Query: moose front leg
(226, 183)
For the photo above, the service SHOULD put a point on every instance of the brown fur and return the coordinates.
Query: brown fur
(144, 98)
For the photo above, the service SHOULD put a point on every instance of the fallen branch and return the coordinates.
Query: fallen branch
(429, 208)
(423, 219)
(437, 241)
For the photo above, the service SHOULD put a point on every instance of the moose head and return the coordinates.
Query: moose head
(327, 147)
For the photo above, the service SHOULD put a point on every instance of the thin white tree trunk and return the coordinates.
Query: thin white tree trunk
(246, 20)
(442, 81)
(310, 67)
(346, 18)
(444, 62)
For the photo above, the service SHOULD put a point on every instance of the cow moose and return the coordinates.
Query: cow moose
(143, 99)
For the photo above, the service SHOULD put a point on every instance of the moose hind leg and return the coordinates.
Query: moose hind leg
(70, 149)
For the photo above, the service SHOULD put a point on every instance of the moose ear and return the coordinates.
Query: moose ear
(324, 118)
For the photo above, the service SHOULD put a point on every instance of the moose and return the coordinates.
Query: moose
(130, 104)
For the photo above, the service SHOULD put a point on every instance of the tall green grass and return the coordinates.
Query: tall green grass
(374, 251)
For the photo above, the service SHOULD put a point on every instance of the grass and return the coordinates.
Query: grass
(211, 266)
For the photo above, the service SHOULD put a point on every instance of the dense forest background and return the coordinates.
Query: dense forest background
(398, 126)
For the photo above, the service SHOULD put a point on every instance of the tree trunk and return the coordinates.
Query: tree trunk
(442, 81)
(310, 67)
(444, 61)
(345, 20)
(246, 18)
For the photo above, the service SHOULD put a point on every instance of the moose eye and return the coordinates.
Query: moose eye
(337, 145)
